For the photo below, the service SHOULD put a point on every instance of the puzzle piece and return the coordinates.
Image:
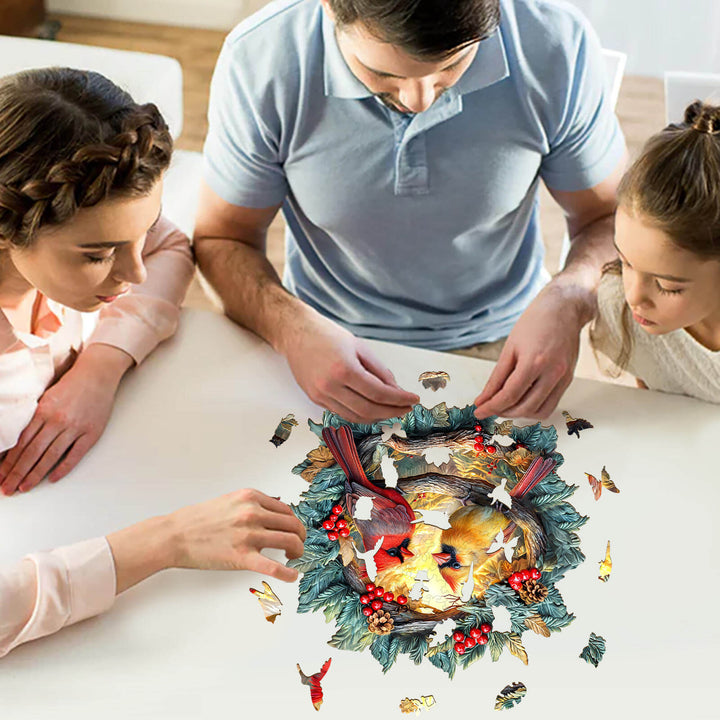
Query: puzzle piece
(437, 455)
(507, 547)
(363, 508)
(414, 705)
(283, 430)
(389, 473)
(421, 585)
(502, 621)
(606, 565)
(510, 696)
(368, 557)
(434, 379)
(313, 682)
(501, 495)
(394, 429)
(270, 602)
(436, 518)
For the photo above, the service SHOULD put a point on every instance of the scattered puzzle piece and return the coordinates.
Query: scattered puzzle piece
(434, 379)
(313, 681)
(510, 696)
(414, 705)
(593, 652)
(363, 508)
(575, 425)
(606, 565)
(604, 482)
(283, 430)
(436, 518)
(437, 455)
(270, 602)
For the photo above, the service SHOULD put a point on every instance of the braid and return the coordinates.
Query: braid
(123, 154)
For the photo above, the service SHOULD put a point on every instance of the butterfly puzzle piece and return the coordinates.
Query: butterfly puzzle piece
(434, 380)
(269, 601)
(606, 565)
(415, 705)
(604, 482)
(575, 425)
(313, 682)
(510, 696)
(508, 547)
(283, 430)
(436, 518)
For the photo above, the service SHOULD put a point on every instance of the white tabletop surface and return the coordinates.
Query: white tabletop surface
(194, 422)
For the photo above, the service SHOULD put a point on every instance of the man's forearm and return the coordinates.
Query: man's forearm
(249, 288)
(591, 248)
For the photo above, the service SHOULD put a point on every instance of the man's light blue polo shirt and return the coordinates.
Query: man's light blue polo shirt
(416, 229)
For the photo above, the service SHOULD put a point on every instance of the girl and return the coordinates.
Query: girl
(659, 303)
(81, 170)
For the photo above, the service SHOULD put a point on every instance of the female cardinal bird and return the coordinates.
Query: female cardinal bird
(391, 515)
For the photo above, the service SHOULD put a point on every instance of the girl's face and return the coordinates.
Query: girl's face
(666, 287)
(95, 257)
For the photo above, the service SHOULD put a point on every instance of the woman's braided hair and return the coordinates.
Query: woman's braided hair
(70, 139)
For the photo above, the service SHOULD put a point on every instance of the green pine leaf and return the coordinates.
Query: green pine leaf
(472, 654)
(446, 661)
(459, 418)
(352, 632)
(413, 645)
(496, 643)
(384, 649)
(440, 416)
(593, 652)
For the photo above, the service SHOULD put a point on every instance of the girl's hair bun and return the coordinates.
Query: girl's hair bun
(703, 117)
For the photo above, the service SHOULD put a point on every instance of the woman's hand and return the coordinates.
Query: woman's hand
(227, 533)
(68, 421)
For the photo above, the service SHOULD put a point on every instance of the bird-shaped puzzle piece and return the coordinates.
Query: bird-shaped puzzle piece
(606, 565)
(313, 681)
(270, 602)
(501, 495)
(575, 425)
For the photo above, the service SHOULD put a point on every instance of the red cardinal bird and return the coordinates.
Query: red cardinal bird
(391, 515)
(313, 681)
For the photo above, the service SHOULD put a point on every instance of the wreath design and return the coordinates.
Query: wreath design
(462, 572)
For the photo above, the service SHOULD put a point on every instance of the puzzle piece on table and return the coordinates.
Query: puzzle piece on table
(593, 652)
(269, 601)
(436, 518)
(606, 565)
(575, 425)
(283, 430)
(422, 581)
(604, 482)
(389, 473)
(468, 584)
(434, 379)
(502, 622)
(395, 429)
(510, 696)
(414, 705)
(313, 682)
(501, 495)
(441, 632)
(369, 558)
(507, 547)
(437, 455)
(364, 508)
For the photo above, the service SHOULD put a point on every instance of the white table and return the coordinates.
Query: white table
(195, 421)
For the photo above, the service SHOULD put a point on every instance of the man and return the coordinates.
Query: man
(405, 142)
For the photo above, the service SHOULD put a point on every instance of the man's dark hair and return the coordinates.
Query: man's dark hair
(422, 28)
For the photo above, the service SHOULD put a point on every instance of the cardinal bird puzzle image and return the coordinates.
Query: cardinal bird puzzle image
(490, 527)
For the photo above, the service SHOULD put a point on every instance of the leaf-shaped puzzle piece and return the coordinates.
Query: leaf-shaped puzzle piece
(414, 705)
(510, 696)
(434, 379)
(283, 430)
(606, 565)
(593, 652)
(269, 601)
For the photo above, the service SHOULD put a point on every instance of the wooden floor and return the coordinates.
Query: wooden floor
(640, 109)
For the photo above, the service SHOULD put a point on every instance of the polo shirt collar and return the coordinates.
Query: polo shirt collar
(489, 66)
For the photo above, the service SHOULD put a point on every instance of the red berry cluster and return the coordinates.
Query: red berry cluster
(480, 445)
(518, 578)
(335, 525)
(476, 636)
(373, 598)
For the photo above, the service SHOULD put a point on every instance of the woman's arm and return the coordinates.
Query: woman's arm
(48, 591)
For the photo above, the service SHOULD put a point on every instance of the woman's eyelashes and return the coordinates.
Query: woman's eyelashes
(100, 258)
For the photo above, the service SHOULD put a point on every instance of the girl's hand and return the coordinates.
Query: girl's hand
(68, 421)
(227, 533)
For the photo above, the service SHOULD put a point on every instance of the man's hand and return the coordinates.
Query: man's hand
(68, 421)
(538, 360)
(337, 371)
(227, 533)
